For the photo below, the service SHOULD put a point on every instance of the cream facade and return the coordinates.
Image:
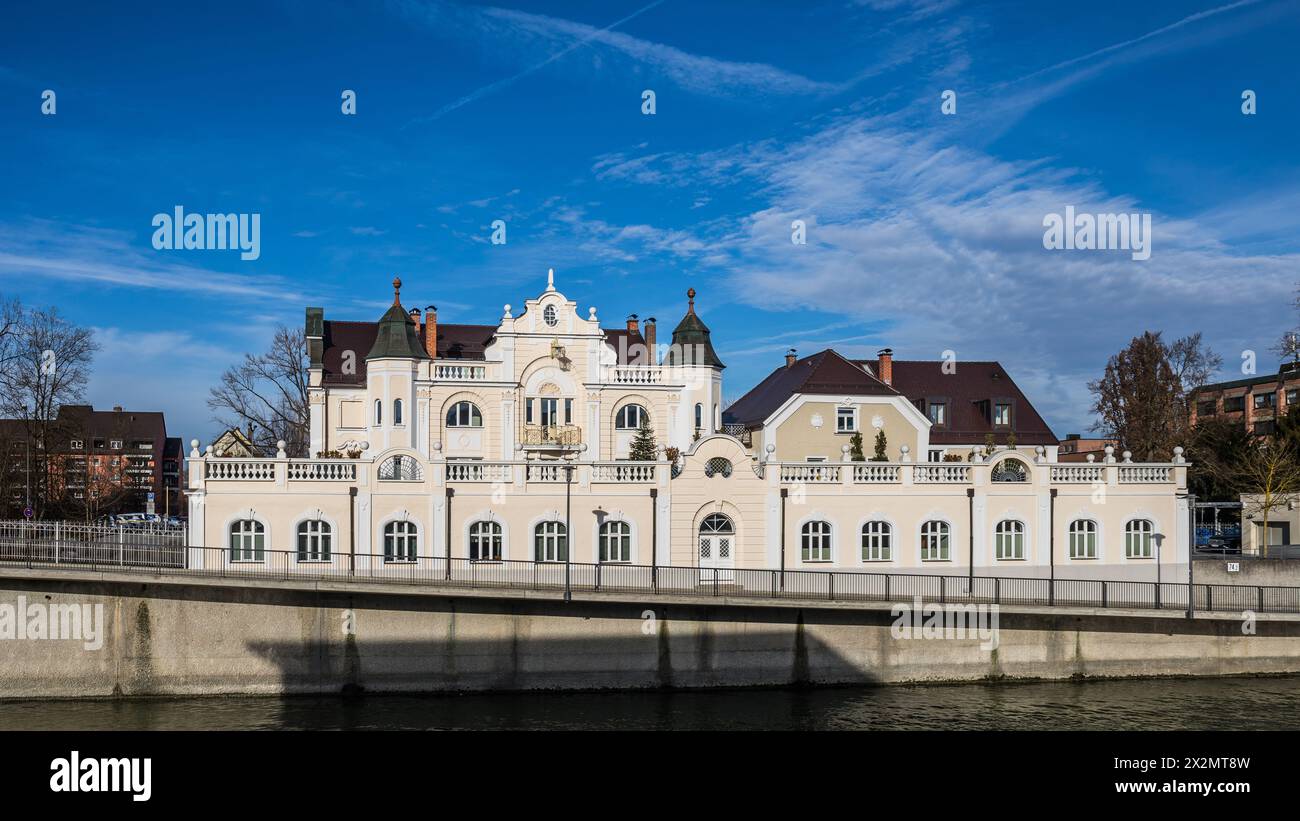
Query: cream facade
(520, 457)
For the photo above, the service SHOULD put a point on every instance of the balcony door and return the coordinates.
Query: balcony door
(717, 548)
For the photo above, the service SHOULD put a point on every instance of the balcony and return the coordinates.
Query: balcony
(462, 372)
(634, 375)
(551, 436)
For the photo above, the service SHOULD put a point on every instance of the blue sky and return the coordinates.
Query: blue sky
(924, 229)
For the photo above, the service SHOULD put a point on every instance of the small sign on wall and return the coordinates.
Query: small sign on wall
(1234, 567)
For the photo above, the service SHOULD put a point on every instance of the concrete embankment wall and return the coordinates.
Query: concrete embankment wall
(1248, 571)
(185, 637)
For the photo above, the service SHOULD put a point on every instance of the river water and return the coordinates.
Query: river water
(1158, 704)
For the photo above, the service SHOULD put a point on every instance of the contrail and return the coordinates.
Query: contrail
(488, 89)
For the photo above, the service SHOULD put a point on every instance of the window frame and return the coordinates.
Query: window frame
(1012, 531)
(466, 419)
(936, 529)
(550, 538)
(485, 541)
(401, 542)
(1087, 534)
(249, 531)
(621, 540)
(850, 413)
(314, 541)
(1146, 535)
(877, 538)
(816, 542)
(622, 412)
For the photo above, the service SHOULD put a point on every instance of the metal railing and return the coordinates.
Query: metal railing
(162, 554)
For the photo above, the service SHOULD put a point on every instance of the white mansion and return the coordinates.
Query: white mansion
(510, 442)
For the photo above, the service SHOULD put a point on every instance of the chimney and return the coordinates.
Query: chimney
(885, 365)
(631, 323)
(415, 320)
(789, 358)
(431, 331)
(653, 355)
(117, 408)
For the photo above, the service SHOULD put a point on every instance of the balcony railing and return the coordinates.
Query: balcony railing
(479, 471)
(551, 436)
(632, 375)
(1078, 474)
(313, 470)
(814, 472)
(623, 472)
(876, 474)
(941, 474)
(459, 372)
(1145, 474)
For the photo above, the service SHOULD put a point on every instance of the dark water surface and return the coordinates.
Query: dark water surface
(1159, 704)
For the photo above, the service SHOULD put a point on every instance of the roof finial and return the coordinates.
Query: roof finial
(397, 291)
(550, 279)
(690, 304)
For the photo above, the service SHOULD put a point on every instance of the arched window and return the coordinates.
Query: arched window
(629, 417)
(400, 539)
(934, 541)
(314, 537)
(699, 417)
(549, 316)
(717, 466)
(397, 411)
(816, 542)
(716, 523)
(1009, 539)
(464, 415)
(379, 411)
(485, 542)
(615, 542)
(551, 542)
(1083, 539)
(1138, 536)
(401, 468)
(876, 541)
(247, 541)
(1010, 470)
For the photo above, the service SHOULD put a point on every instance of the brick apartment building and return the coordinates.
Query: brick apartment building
(1256, 402)
(100, 462)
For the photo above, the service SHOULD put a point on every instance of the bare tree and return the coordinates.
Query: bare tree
(268, 393)
(1267, 474)
(47, 366)
(1288, 345)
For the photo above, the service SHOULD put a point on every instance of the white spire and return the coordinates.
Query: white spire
(550, 279)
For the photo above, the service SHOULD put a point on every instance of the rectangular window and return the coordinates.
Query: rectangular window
(1002, 414)
(550, 412)
(1234, 404)
(76, 444)
(1206, 408)
(568, 411)
(528, 412)
(115, 444)
(1291, 395)
(935, 456)
(938, 413)
(1266, 427)
(846, 420)
(1264, 400)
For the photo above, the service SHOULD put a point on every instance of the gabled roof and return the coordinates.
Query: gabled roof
(963, 390)
(822, 373)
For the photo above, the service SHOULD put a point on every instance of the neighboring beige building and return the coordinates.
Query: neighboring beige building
(1283, 523)
(508, 443)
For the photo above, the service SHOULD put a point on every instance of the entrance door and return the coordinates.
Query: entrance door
(717, 549)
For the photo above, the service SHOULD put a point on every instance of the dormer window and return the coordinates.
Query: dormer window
(938, 413)
(846, 420)
(1002, 414)
(550, 316)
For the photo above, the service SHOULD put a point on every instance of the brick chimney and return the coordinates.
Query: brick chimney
(651, 354)
(885, 365)
(415, 319)
(790, 358)
(431, 331)
(632, 323)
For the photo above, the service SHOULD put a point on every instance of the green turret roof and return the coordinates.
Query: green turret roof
(396, 335)
(691, 343)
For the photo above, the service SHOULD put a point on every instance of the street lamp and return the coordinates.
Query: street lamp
(568, 523)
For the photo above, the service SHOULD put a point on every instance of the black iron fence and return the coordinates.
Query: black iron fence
(112, 552)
